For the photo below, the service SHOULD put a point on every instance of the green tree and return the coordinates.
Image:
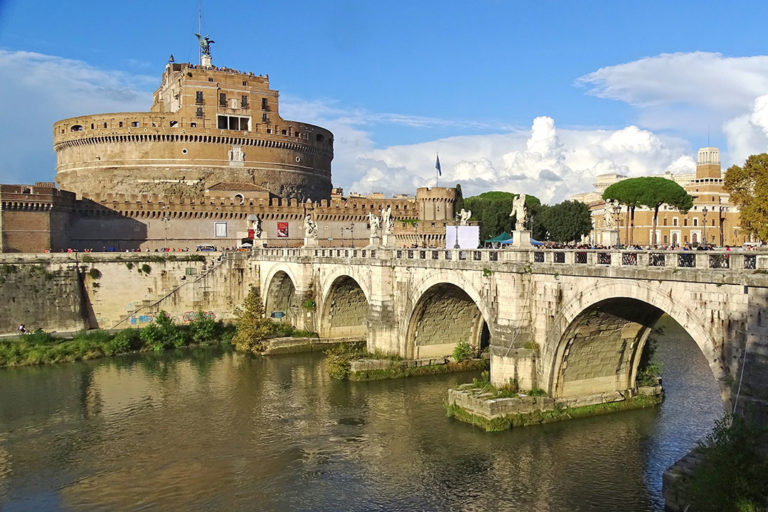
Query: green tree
(650, 191)
(567, 221)
(627, 192)
(251, 326)
(459, 204)
(492, 209)
(658, 191)
(748, 187)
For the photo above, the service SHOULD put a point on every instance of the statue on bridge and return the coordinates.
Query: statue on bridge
(373, 221)
(518, 211)
(464, 217)
(310, 228)
(386, 220)
(609, 219)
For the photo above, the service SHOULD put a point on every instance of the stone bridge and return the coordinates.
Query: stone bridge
(573, 323)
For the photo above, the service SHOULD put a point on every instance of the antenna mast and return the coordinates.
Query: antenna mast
(199, 29)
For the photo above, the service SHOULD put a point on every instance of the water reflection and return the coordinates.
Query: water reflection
(212, 429)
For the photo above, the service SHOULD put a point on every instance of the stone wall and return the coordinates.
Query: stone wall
(59, 293)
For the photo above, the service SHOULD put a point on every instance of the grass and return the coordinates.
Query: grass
(398, 371)
(43, 348)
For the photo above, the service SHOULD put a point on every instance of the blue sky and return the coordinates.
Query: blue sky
(537, 96)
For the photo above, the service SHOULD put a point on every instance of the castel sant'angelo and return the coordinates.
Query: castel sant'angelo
(210, 158)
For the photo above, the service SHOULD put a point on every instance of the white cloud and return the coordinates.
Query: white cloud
(549, 163)
(38, 90)
(691, 92)
(705, 79)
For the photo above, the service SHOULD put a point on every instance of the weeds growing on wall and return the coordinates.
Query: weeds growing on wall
(462, 352)
(42, 348)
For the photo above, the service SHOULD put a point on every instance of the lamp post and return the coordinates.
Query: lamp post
(166, 219)
(704, 236)
(617, 216)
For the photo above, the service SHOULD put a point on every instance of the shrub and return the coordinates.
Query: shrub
(145, 268)
(163, 333)
(251, 326)
(125, 341)
(338, 361)
(308, 304)
(731, 475)
(94, 273)
(129, 265)
(202, 328)
(462, 352)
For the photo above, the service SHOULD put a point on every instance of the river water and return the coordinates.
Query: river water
(214, 430)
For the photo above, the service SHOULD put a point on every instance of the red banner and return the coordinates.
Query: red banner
(282, 230)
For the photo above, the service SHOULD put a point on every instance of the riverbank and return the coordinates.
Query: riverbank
(45, 348)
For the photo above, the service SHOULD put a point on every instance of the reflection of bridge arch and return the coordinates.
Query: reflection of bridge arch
(597, 339)
(280, 296)
(444, 315)
(344, 308)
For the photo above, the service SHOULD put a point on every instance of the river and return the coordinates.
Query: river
(210, 429)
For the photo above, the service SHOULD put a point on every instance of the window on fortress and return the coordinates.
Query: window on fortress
(174, 124)
(135, 124)
(199, 112)
(319, 137)
(223, 99)
(92, 129)
(120, 124)
(76, 128)
(695, 222)
(105, 125)
(283, 132)
(220, 229)
(199, 97)
(245, 83)
(244, 101)
(193, 125)
(264, 104)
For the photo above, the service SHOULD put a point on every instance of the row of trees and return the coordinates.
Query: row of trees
(651, 192)
(570, 220)
(562, 222)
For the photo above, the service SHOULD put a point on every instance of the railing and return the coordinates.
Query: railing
(714, 260)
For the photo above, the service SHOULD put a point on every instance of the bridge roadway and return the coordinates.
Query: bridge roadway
(571, 322)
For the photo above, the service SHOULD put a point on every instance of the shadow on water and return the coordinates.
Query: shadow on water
(212, 429)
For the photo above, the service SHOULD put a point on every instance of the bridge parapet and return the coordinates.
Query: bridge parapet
(694, 266)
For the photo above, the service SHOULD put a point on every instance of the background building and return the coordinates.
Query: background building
(211, 153)
(713, 216)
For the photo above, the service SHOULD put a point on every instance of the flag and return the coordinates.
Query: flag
(437, 165)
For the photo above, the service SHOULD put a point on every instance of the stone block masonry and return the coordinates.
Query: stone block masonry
(118, 290)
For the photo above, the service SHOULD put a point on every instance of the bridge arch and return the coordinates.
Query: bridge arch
(597, 339)
(280, 296)
(445, 313)
(344, 308)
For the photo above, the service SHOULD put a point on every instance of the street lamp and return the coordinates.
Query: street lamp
(704, 236)
(166, 220)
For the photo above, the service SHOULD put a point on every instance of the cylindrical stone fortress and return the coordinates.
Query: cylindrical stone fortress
(207, 125)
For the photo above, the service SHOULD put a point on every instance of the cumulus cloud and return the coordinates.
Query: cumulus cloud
(38, 90)
(686, 92)
(549, 163)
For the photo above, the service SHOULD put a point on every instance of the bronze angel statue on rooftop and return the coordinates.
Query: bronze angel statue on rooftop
(205, 44)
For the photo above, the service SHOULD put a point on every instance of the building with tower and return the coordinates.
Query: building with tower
(211, 153)
(713, 217)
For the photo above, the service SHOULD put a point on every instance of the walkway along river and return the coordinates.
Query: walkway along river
(216, 430)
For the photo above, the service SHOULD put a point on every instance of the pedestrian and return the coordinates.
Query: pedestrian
(22, 329)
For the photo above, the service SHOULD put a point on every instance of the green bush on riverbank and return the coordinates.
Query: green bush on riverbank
(43, 348)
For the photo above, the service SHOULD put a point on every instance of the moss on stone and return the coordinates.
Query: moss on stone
(541, 417)
(400, 371)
